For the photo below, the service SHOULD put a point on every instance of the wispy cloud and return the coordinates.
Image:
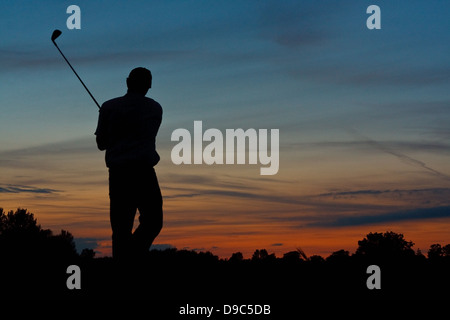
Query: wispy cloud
(397, 216)
(388, 75)
(162, 246)
(395, 75)
(276, 245)
(401, 156)
(89, 243)
(397, 192)
(43, 156)
(294, 24)
(81, 145)
(18, 59)
(370, 206)
(288, 204)
(25, 189)
(417, 146)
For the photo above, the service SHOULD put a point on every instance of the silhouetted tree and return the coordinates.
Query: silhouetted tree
(21, 237)
(316, 259)
(420, 255)
(339, 256)
(207, 256)
(262, 255)
(295, 256)
(62, 245)
(21, 221)
(259, 254)
(291, 256)
(435, 251)
(236, 257)
(87, 253)
(385, 245)
(446, 250)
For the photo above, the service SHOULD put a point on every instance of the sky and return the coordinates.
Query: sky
(363, 118)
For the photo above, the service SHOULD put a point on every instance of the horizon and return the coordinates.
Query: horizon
(362, 117)
(406, 246)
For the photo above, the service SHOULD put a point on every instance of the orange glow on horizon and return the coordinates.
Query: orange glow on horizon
(232, 208)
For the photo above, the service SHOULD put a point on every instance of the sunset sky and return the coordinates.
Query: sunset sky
(363, 116)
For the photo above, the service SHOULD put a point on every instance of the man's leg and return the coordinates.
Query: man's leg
(150, 212)
(122, 213)
(122, 218)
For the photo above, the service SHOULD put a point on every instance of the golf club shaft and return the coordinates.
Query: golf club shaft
(76, 74)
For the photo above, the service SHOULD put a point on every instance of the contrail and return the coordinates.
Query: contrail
(403, 157)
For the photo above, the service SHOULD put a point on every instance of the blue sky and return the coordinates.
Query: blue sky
(357, 109)
(298, 59)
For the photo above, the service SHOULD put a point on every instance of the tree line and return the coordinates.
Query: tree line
(34, 260)
(21, 236)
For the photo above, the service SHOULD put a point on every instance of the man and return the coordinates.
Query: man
(127, 129)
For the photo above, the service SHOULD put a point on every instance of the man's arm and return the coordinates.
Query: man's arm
(101, 132)
(101, 143)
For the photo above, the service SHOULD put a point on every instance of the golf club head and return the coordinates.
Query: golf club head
(56, 34)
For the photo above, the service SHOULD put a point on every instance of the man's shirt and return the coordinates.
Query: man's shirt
(127, 129)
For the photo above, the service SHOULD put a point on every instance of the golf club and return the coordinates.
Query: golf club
(55, 35)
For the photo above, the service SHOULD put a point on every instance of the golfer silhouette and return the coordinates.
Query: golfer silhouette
(127, 129)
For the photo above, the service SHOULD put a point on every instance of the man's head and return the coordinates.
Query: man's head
(139, 80)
